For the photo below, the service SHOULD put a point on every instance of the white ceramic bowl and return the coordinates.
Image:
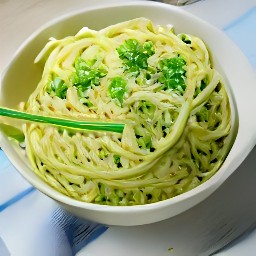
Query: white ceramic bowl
(21, 75)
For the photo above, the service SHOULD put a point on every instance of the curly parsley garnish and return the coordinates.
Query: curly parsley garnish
(173, 73)
(86, 76)
(135, 55)
(57, 87)
(117, 89)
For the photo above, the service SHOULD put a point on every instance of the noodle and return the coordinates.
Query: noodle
(160, 84)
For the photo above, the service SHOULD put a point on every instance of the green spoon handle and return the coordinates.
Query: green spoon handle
(83, 125)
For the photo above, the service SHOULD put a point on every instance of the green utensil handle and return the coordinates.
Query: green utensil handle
(83, 125)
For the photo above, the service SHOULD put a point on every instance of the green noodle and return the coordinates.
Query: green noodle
(160, 84)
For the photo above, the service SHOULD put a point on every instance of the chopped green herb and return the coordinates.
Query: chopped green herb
(201, 87)
(145, 142)
(185, 38)
(85, 101)
(117, 89)
(173, 73)
(203, 84)
(57, 87)
(85, 76)
(103, 153)
(203, 114)
(146, 109)
(146, 77)
(135, 55)
(117, 161)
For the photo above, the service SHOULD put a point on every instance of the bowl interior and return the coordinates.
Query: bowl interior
(22, 76)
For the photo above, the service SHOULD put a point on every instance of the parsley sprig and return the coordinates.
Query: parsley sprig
(86, 76)
(117, 89)
(135, 55)
(173, 73)
(57, 87)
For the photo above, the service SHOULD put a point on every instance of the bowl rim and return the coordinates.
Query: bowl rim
(215, 181)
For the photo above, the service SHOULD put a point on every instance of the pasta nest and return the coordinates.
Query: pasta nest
(162, 85)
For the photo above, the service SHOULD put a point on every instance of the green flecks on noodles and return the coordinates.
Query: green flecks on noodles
(145, 142)
(202, 86)
(203, 114)
(117, 161)
(143, 138)
(185, 38)
(146, 109)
